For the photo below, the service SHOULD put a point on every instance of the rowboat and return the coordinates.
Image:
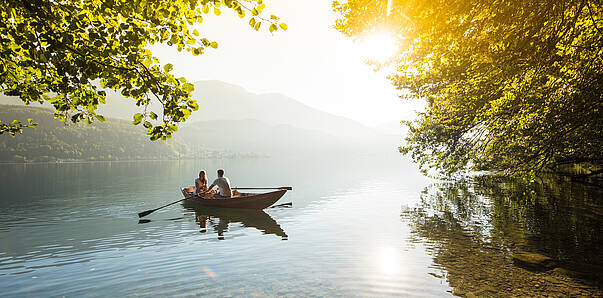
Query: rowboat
(256, 201)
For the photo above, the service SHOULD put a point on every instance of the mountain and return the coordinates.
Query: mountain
(223, 101)
(231, 119)
(115, 139)
(257, 136)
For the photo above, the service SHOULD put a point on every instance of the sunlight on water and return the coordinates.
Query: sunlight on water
(389, 261)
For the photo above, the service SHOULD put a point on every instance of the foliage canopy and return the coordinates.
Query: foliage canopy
(61, 51)
(511, 85)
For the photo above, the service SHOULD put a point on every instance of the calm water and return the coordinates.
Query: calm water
(357, 227)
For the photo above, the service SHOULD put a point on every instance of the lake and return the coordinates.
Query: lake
(368, 225)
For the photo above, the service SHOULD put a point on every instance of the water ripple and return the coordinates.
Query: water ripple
(343, 239)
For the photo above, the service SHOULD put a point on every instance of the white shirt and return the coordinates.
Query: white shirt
(223, 186)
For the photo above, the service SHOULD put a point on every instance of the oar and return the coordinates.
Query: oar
(145, 213)
(284, 205)
(282, 187)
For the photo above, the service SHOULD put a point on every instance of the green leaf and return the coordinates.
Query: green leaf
(164, 13)
(137, 118)
(193, 105)
(74, 118)
(100, 118)
(188, 87)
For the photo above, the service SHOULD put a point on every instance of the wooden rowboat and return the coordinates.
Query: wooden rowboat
(256, 201)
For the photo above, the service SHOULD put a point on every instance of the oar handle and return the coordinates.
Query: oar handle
(172, 203)
(145, 213)
(282, 187)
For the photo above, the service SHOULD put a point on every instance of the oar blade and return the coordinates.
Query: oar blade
(145, 213)
(284, 205)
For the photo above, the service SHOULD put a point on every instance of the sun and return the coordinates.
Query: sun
(378, 46)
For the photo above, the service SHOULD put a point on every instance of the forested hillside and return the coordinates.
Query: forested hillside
(114, 140)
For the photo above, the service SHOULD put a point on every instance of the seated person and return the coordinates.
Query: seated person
(200, 185)
(223, 185)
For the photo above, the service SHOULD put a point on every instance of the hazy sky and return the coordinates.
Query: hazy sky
(310, 62)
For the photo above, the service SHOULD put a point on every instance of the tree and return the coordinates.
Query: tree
(513, 86)
(16, 127)
(62, 51)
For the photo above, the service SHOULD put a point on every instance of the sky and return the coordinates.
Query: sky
(310, 62)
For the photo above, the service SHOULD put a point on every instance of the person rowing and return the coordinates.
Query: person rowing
(223, 185)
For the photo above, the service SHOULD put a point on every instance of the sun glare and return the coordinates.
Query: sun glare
(378, 46)
(388, 260)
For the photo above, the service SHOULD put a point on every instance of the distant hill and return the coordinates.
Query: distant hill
(230, 119)
(223, 101)
(258, 136)
(114, 140)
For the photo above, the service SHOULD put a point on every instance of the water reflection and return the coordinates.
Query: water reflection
(80, 222)
(478, 228)
(219, 220)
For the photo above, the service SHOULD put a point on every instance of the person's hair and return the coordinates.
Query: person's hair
(220, 172)
(202, 176)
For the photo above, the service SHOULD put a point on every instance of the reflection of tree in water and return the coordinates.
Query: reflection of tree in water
(476, 226)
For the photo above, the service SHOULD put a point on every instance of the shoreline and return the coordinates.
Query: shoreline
(124, 161)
